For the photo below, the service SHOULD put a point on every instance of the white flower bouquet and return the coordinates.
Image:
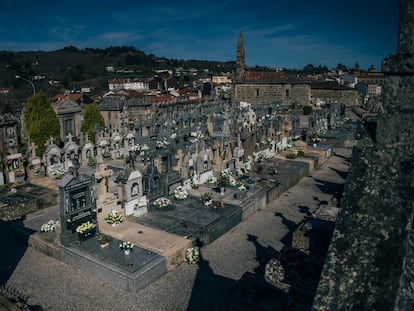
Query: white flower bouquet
(181, 193)
(49, 226)
(192, 255)
(225, 178)
(241, 188)
(114, 217)
(161, 203)
(126, 245)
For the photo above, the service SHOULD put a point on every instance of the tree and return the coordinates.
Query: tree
(41, 121)
(91, 117)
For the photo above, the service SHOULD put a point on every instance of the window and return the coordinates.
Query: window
(68, 126)
(257, 92)
(287, 93)
(134, 190)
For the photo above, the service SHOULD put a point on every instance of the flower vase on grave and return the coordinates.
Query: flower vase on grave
(86, 234)
(240, 195)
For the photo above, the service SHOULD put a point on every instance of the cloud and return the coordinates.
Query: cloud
(119, 38)
(66, 32)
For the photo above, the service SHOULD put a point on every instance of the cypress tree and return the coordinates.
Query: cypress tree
(91, 117)
(41, 121)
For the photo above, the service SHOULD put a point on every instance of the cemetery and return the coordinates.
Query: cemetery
(131, 205)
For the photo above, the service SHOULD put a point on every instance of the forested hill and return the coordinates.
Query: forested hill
(73, 68)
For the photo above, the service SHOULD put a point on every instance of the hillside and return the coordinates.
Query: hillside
(73, 68)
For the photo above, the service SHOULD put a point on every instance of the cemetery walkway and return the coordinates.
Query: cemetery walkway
(55, 285)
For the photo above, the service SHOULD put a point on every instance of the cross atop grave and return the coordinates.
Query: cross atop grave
(51, 140)
(102, 176)
(69, 136)
(33, 148)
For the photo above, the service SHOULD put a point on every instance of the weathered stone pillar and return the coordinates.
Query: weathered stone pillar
(370, 262)
(396, 122)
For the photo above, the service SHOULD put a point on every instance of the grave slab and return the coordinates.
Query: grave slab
(169, 245)
(192, 220)
(131, 272)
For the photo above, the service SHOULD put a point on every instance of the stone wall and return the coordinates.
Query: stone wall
(370, 261)
(349, 97)
(258, 93)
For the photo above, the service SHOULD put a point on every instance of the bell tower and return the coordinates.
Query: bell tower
(240, 62)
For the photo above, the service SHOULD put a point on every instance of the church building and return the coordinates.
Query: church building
(267, 87)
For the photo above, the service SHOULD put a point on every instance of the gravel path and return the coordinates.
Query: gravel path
(246, 248)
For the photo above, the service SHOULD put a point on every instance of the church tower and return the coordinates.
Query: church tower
(240, 62)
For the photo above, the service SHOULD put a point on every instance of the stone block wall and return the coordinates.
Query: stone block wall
(258, 93)
(370, 261)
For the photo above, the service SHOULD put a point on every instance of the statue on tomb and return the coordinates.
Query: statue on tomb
(103, 174)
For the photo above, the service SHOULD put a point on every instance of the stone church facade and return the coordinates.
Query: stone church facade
(267, 87)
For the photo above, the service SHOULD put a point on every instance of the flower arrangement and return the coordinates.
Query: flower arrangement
(104, 240)
(161, 203)
(264, 155)
(292, 154)
(86, 226)
(159, 144)
(114, 217)
(192, 255)
(180, 193)
(7, 161)
(38, 170)
(246, 166)
(195, 180)
(126, 245)
(92, 162)
(211, 180)
(49, 226)
(119, 154)
(206, 196)
(19, 172)
(58, 171)
(241, 188)
(226, 178)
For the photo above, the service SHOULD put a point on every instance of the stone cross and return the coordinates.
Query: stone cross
(33, 148)
(69, 136)
(102, 176)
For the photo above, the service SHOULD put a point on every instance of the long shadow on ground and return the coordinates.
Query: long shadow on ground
(12, 249)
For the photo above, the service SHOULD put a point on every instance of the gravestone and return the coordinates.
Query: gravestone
(77, 206)
(130, 191)
(88, 152)
(70, 151)
(152, 186)
(14, 168)
(52, 158)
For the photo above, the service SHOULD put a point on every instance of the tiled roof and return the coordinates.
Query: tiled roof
(72, 96)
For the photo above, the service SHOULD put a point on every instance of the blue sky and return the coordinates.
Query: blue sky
(288, 34)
